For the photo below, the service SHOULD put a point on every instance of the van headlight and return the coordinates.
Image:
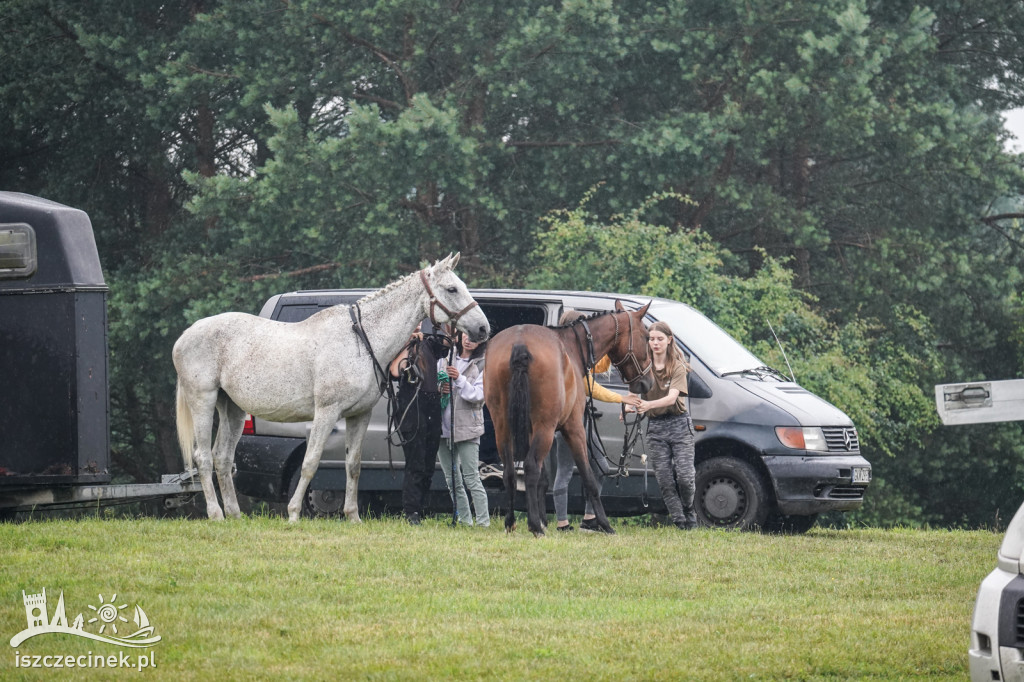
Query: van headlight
(802, 437)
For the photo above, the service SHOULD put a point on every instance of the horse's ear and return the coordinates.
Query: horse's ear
(441, 264)
(618, 306)
(643, 311)
(454, 259)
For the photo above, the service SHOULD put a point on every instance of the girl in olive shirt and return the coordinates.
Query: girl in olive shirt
(670, 429)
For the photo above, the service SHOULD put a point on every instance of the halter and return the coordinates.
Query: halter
(630, 356)
(452, 316)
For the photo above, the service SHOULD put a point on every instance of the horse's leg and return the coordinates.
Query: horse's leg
(202, 404)
(232, 421)
(355, 430)
(536, 512)
(577, 441)
(323, 423)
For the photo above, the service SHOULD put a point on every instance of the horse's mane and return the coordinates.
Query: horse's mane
(387, 289)
(585, 318)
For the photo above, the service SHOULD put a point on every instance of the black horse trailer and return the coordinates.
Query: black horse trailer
(54, 400)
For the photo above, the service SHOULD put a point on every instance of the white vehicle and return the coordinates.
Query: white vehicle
(997, 629)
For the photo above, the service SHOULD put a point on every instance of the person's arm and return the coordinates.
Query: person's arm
(471, 391)
(601, 393)
(665, 401)
(395, 368)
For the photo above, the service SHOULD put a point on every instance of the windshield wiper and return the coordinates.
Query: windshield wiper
(760, 372)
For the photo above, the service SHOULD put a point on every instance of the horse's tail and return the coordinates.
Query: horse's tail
(519, 401)
(186, 432)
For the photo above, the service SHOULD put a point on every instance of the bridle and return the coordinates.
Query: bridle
(630, 356)
(453, 317)
(633, 430)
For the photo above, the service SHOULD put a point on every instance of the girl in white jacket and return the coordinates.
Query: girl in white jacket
(465, 388)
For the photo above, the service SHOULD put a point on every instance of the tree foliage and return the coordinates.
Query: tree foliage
(844, 160)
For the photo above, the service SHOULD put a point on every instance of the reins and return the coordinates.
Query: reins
(412, 371)
(413, 378)
(633, 431)
(357, 326)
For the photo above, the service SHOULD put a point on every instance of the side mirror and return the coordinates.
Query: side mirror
(696, 388)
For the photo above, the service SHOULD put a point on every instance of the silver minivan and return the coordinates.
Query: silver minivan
(769, 453)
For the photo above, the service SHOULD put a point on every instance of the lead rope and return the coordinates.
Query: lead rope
(451, 436)
(633, 432)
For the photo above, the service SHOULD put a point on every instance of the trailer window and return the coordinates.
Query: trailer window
(17, 251)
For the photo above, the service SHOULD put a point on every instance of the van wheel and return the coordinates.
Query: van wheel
(730, 494)
(790, 525)
(317, 504)
(323, 503)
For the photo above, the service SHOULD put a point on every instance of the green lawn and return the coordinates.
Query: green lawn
(262, 599)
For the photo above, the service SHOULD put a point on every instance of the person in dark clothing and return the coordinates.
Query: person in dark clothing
(418, 413)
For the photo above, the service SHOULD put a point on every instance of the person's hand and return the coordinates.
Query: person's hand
(416, 336)
(453, 373)
(631, 399)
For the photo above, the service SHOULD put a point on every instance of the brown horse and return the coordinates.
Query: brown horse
(533, 386)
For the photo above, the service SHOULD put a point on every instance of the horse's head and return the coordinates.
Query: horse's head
(448, 300)
(629, 351)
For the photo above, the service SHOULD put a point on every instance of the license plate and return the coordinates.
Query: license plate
(861, 474)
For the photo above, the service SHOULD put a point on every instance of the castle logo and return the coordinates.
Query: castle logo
(107, 618)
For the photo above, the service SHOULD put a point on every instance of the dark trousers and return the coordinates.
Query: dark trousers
(670, 447)
(422, 436)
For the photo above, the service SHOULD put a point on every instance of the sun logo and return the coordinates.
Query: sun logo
(108, 614)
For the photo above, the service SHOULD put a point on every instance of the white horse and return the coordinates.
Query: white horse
(318, 369)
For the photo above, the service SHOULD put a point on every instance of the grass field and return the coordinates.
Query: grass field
(261, 599)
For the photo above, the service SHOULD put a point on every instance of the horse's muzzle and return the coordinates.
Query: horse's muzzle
(641, 384)
(479, 334)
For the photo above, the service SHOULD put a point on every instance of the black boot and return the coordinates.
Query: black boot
(690, 515)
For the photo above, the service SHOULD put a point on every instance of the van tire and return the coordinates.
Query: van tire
(730, 494)
(317, 504)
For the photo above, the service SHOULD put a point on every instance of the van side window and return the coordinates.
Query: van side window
(297, 313)
(17, 251)
(503, 316)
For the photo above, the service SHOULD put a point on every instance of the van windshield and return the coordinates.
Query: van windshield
(705, 339)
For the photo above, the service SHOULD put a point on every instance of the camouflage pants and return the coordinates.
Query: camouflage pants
(670, 448)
